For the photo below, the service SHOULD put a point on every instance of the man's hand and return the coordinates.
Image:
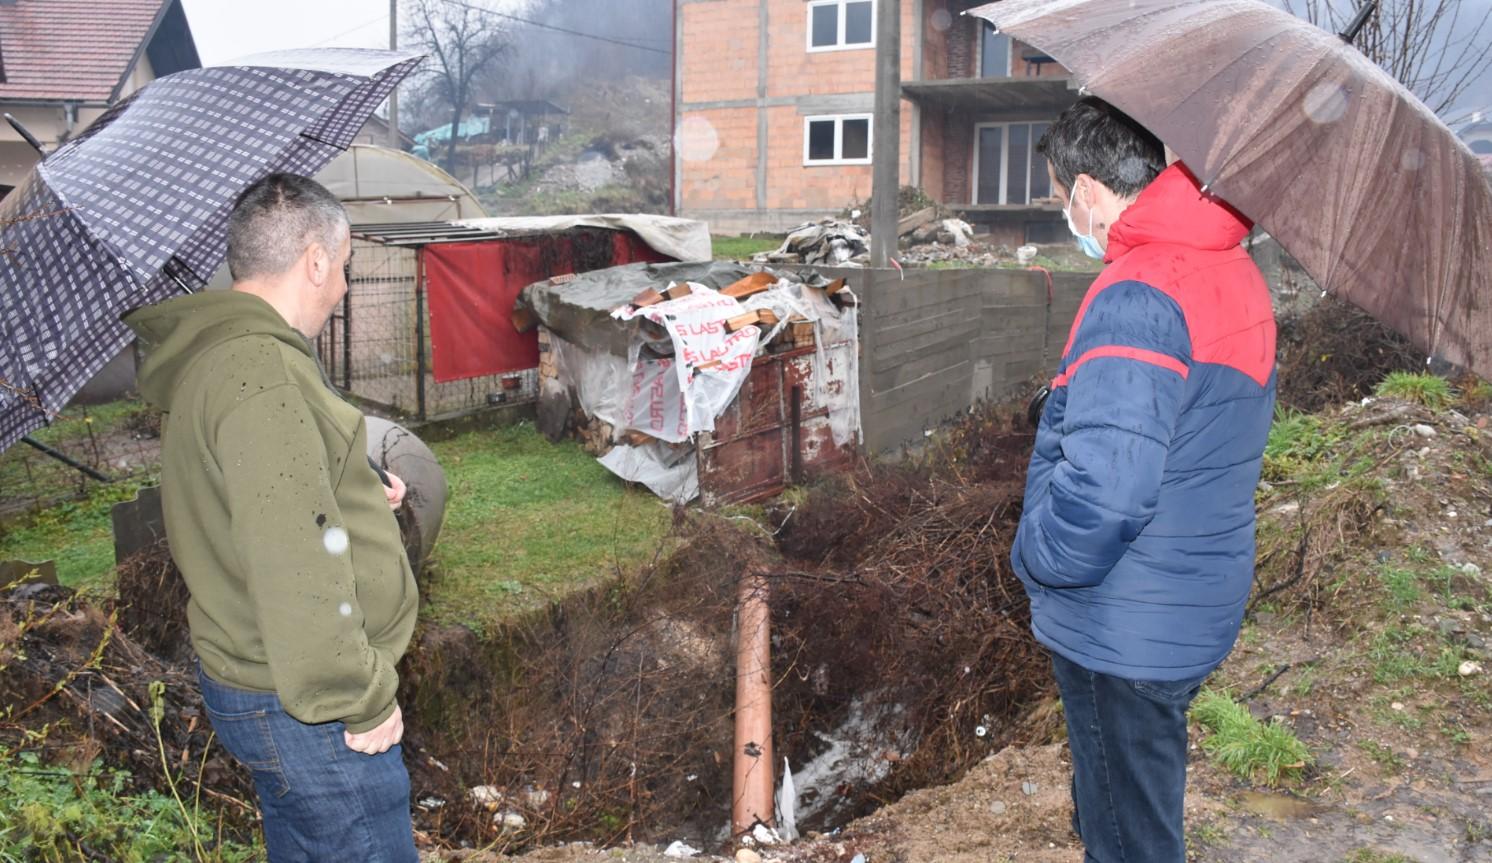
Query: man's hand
(376, 741)
(394, 491)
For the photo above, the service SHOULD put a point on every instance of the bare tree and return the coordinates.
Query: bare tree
(1436, 48)
(464, 39)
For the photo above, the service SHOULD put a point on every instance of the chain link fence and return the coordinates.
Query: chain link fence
(376, 347)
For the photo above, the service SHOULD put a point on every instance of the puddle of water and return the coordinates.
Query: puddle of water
(1281, 807)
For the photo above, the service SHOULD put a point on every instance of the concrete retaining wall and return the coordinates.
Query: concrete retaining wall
(937, 341)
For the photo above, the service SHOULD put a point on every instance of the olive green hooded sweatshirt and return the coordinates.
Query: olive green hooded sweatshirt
(300, 585)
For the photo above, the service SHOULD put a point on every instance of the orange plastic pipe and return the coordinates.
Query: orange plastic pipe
(753, 784)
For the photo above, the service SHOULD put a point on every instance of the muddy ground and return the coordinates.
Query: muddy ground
(1359, 647)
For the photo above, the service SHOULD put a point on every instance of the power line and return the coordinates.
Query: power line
(370, 22)
(543, 26)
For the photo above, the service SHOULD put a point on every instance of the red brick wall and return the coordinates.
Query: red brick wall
(718, 62)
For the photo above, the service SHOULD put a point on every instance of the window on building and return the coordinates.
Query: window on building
(835, 25)
(994, 53)
(1047, 233)
(837, 140)
(1007, 168)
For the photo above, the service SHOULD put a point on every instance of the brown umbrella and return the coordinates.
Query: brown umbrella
(1375, 197)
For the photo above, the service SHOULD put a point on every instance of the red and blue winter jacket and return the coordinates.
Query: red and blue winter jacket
(1136, 545)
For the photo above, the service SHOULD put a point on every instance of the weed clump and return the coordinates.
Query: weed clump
(1432, 391)
(1243, 745)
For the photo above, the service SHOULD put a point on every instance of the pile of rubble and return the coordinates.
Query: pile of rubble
(830, 243)
(933, 226)
(927, 236)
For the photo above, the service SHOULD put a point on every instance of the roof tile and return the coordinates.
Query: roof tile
(71, 49)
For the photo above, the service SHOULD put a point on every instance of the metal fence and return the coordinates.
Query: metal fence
(376, 347)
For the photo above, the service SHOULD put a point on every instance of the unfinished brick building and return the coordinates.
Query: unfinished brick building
(774, 102)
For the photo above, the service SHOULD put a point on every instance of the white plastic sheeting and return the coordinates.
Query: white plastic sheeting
(675, 397)
(683, 370)
(836, 338)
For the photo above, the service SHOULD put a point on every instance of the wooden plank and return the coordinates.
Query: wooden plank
(750, 286)
(911, 223)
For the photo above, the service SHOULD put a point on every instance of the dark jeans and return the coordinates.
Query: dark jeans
(1128, 741)
(321, 801)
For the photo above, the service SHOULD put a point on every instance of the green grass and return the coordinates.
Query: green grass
(743, 247)
(50, 812)
(1373, 855)
(26, 473)
(1299, 449)
(1401, 587)
(1245, 746)
(1408, 652)
(77, 534)
(1432, 391)
(529, 520)
(1391, 761)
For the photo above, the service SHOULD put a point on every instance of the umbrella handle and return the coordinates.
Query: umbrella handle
(383, 475)
(26, 134)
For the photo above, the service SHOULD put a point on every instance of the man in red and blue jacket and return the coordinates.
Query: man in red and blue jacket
(1136, 545)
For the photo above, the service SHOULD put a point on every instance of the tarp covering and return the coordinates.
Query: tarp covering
(678, 239)
(668, 370)
(472, 288)
(580, 311)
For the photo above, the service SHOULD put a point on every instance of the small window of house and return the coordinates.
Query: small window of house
(835, 25)
(837, 140)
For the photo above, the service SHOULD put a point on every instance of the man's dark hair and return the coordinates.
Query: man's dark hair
(1095, 138)
(276, 219)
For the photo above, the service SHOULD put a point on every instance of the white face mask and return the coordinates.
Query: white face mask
(1087, 242)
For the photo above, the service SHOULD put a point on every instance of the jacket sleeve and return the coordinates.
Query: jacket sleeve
(294, 550)
(1125, 377)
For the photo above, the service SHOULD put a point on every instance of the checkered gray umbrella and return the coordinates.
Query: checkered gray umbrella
(136, 208)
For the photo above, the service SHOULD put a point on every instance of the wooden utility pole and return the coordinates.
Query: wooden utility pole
(394, 96)
(752, 785)
(886, 140)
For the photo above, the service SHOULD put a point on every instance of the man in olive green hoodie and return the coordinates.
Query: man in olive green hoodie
(302, 598)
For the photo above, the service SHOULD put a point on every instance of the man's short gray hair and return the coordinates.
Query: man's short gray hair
(275, 220)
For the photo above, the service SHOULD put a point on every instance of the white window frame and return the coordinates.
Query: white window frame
(839, 44)
(839, 119)
(1031, 161)
(1009, 55)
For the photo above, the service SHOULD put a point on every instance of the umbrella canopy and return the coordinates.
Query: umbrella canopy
(136, 208)
(1375, 197)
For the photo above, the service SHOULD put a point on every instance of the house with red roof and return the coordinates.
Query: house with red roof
(64, 62)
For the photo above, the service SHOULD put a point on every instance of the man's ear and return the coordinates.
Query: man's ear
(1082, 190)
(318, 263)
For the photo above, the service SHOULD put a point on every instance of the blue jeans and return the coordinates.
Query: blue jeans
(1128, 741)
(321, 801)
